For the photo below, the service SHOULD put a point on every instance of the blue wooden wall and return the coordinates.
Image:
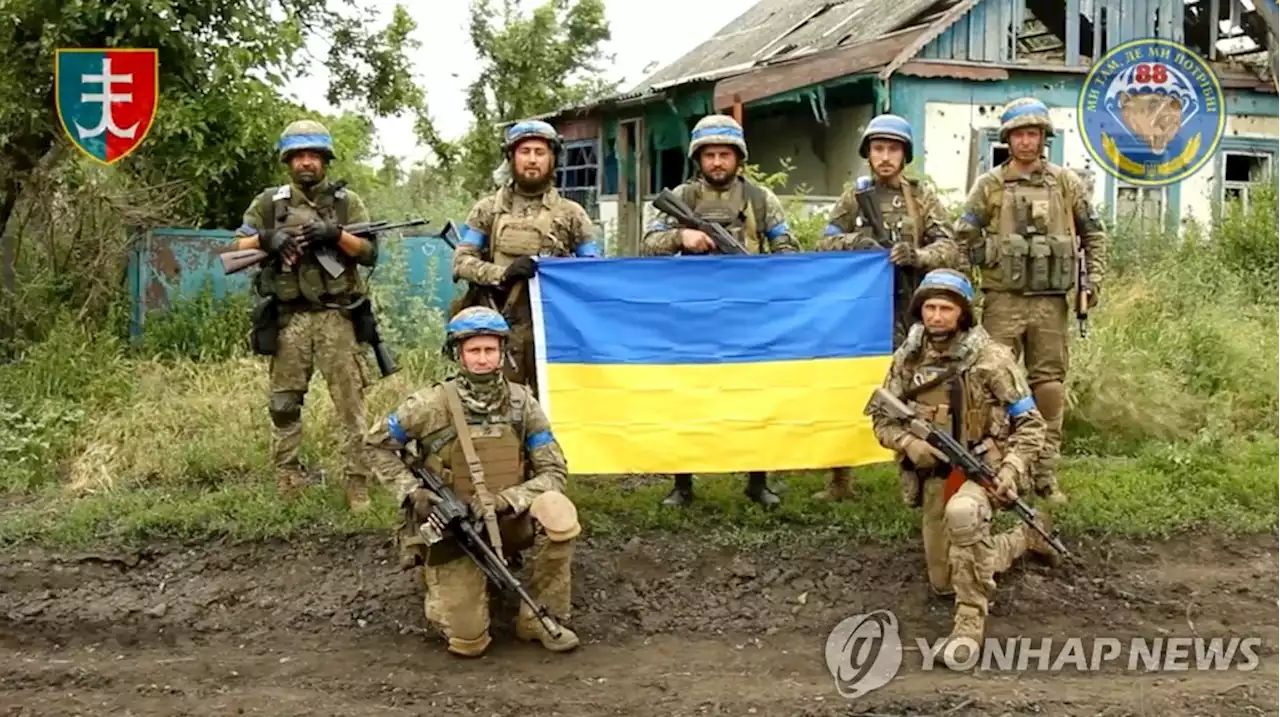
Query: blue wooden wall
(170, 264)
(984, 34)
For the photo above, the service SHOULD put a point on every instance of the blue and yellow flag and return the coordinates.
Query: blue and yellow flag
(713, 364)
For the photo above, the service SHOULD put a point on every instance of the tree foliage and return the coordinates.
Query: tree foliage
(530, 64)
(223, 66)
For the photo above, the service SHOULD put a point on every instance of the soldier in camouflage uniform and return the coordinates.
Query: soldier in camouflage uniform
(1019, 227)
(305, 321)
(911, 210)
(489, 438)
(525, 218)
(955, 375)
(721, 193)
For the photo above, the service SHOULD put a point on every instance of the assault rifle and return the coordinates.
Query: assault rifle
(870, 210)
(1083, 289)
(905, 279)
(974, 468)
(239, 260)
(457, 522)
(668, 203)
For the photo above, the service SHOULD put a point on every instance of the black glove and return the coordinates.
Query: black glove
(280, 241)
(522, 268)
(321, 233)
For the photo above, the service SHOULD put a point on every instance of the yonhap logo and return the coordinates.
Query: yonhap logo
(864, 653)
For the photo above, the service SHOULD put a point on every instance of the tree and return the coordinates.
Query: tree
(222, 63)
(532, 64)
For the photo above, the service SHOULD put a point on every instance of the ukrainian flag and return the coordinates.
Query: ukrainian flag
(713, 364)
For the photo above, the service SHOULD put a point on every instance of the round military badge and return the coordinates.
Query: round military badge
(1151, 112)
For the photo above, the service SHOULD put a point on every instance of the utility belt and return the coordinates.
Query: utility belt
(270, 315)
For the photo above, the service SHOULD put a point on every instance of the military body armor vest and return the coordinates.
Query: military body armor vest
(1032, 251)
(900, 211)
(499, 445)
(955, 408)
(307, 280)
(516, 236)
(740, 210)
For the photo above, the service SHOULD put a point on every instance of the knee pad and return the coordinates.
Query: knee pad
(1050, 396)
(285, 407)
(968, 519)
(557, 515)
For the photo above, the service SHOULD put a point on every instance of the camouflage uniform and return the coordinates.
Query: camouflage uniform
(973, 388)
(1020, 233)
(311, 312)
(912, 211)
(752, 214)
(503, 232)
(523, 469)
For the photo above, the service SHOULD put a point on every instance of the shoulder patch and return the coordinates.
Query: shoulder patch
(284, 191)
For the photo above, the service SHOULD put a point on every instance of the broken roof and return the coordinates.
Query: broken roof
(776, 29)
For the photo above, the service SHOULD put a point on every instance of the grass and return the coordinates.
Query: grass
(1172, 420)
(1162, 492)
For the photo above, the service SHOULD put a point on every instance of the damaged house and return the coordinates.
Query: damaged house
(805, 76)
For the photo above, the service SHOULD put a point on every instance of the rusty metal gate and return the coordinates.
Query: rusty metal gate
(169, 264)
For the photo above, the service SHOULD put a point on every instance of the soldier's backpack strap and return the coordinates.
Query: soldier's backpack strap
(279, 206)
(758, 206)
(342, 206)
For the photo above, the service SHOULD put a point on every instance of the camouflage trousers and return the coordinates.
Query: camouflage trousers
(975, 556)
(327, 340)
(457, 600)
(1036, 328)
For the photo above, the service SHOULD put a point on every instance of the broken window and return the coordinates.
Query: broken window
(1239, 170)
(1139, 209)
(577, 174)
(667, 170)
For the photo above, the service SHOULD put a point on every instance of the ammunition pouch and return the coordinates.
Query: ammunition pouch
(1030, 264)
(265, 332)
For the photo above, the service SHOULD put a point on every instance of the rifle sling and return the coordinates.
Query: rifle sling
(938, 380)
(473, 464)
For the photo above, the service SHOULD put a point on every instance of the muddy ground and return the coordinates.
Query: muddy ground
(333, 628)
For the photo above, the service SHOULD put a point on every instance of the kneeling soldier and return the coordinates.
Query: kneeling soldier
(490, 438)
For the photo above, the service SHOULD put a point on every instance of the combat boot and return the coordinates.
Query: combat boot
(966, 635)
(358, 494)
(758, 490)
(290, 482)
(1036, 543)
(682, 494)
(529, 628)
(1051, 493)
(837, 486)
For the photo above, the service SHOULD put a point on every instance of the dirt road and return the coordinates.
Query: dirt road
(334, 629)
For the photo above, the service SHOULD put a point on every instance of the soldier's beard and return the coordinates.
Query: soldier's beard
(306, 178)
(532, 185)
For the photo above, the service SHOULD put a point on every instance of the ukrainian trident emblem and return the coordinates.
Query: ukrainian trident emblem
(106, 98)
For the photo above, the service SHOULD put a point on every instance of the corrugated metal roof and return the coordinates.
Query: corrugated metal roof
(774, 30)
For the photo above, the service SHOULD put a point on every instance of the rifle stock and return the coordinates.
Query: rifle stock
(668, 203)
(973, 467)
(456, 518)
